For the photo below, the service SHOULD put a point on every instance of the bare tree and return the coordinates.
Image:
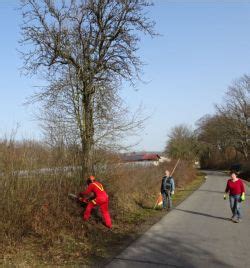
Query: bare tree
(211, 132)
(182, 143)
(235, 114)
(217, 144)
(84, 49)
(225, 135)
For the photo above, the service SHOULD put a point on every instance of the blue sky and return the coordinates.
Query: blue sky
(203, 46)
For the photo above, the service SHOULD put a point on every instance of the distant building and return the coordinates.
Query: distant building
(134, 157)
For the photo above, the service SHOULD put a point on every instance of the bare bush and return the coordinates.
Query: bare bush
(36, 209)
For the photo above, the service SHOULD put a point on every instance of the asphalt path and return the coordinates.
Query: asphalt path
(197, 233)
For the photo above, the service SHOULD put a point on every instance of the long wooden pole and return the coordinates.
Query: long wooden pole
(175, 167)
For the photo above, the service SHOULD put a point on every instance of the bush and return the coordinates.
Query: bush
(36, 208)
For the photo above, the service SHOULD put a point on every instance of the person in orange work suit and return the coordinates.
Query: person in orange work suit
(101, 199)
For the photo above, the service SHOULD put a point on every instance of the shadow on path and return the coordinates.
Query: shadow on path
(210, 191)
(167, 251)
(203, 214)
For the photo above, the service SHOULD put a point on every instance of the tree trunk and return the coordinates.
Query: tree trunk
(87, 137)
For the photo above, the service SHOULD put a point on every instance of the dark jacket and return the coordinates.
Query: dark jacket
(167, 184)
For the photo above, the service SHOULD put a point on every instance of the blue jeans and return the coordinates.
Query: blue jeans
(235, 205)
(166, 199)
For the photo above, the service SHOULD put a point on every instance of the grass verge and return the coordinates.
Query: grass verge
(53, 232)
(141, 222)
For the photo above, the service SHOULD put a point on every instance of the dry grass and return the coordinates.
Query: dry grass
(40, 225)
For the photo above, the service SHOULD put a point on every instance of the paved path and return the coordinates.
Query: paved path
(197, 233)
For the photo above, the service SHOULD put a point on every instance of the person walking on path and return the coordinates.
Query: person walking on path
(101, 199)
(236, 190)
(167, 190)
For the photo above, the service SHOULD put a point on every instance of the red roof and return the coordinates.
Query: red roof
(153, 157)
(140, 157)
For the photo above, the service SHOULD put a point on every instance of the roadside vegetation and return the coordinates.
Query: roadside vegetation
(83, 51)
(220, 140)
(41, 225)
(225, 136)
(84, 121)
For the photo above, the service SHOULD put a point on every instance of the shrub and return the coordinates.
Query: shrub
(36, 208)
